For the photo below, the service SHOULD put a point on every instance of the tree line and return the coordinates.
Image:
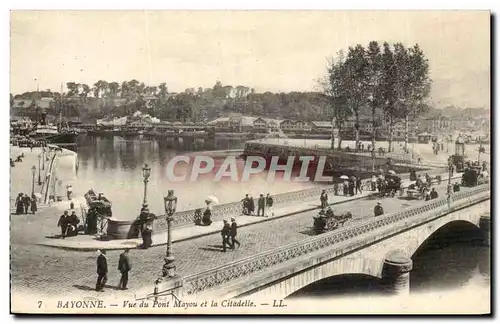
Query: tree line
(391, 83)
(194, 104)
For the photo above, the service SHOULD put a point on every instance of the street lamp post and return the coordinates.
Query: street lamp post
(146, 172)
(450, 172)
(39, 178)
(33, 171)
(43, 158)
(170, 202)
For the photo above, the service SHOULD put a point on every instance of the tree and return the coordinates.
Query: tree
(336, 90)
(412, 85)
(85, 90)
(72, 89)
(163, 90)
(11, 100)
(355, 79)
(100, 87)
(114, 88)
(375, 88)
(391, 113)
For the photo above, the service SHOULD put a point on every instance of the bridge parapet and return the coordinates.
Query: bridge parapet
(342, 240)
(234, 208)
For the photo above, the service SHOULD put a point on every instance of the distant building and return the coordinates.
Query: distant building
(296, 126)
(43, 103)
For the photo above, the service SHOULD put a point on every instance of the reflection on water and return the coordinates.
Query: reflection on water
(113, 165)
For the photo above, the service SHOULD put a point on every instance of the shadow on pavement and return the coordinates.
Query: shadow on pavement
(81, 287)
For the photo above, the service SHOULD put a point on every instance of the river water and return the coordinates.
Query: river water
(113, 165)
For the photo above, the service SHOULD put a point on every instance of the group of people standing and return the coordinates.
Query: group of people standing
(124, 266)
(349, 187)
(264, 205)
(24, 204)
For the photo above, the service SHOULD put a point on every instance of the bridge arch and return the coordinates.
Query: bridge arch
(342, 285)
(361, 267)
(444, 229)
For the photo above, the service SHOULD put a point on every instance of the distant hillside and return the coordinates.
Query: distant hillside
(470, 90)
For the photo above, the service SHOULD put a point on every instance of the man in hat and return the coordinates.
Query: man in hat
(433, 193)
(323, 199)
(72, 222)
(124, 267)
(225, 235)
(378, 210)
(102, 271)
(232, 233)
(63, 223)
(261, 205)
(246, 205)
(269, 205)
(27, 203)
(20, 204)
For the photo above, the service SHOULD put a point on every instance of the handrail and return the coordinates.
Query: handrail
(208, 279)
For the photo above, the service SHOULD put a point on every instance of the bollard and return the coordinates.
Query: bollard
(396, 273)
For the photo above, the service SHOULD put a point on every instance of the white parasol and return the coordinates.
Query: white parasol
(212, 199)
(391, 172)
(344, 177)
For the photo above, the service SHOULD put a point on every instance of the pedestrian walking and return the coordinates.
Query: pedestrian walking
(246, 204)
(102, 271)
(232, 233)
(27, 203)
(69, 192)
(358, 185)
(261, 205)
(269, 205)
(251, 205)
(374, 182)
(225, 235)
(124, 267)
(33, 204)
(19, 204)
(323, 199)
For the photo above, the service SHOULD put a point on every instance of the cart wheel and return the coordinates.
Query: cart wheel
(331, 224)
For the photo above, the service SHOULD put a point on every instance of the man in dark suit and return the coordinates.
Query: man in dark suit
(124, 267)
(102, 271)
(232, 233)
(225, 235)
(261, 205)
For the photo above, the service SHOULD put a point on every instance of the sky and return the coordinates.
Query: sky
(269, 51)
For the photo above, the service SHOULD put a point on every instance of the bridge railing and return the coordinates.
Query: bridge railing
(234, 208)
(209, 279)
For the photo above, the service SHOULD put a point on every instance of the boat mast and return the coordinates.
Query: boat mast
(60, 108)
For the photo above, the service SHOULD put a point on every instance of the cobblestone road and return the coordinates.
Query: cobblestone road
(53, 272)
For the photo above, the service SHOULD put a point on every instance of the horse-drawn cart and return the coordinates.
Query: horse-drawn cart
(327, 221)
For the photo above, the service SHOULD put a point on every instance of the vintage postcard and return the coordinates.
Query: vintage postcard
(250, 162)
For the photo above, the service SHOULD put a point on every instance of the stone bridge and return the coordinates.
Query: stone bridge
(380, 247)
